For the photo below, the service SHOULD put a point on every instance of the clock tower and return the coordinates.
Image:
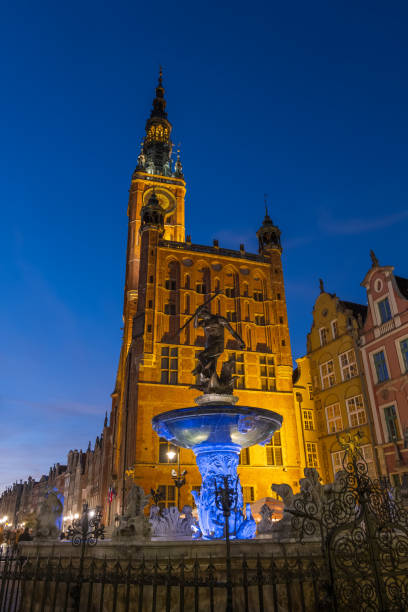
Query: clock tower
(156, 175)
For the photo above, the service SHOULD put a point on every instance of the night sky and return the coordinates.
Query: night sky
(304, 101)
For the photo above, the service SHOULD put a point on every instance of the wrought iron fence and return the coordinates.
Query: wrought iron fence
(55, 584)
(363, 525)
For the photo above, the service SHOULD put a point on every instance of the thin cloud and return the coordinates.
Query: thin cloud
(359, 225)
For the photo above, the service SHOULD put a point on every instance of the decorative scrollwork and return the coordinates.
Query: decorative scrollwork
(363, 525)
(87, 529)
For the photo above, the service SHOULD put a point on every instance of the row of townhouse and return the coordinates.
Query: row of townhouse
(358, 359)
(79, 481)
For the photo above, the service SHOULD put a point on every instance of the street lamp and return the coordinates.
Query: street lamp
(179, 478)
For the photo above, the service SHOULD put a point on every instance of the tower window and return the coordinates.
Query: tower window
(171, 284)
(278, 296)
(169, 365)
(168, 495)
(230, 292)
(187, 281)
(170, 308)
(259, 319)
(274, 450)
(281, 320)
(267, 373)
(201, 288)
(258, 296)
(248, 494)
(239, 370)
(244, 458)
(231, 315)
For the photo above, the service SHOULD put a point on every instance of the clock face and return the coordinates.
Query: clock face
(166, 199)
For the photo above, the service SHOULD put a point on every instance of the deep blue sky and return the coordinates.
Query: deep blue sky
(305, 101)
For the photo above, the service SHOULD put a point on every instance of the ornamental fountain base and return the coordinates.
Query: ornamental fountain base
(217, 431)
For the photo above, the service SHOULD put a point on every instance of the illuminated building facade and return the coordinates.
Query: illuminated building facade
(167, 278)
(339, 388)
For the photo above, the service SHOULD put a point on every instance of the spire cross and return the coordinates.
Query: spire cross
(160, 75)
(266, 203)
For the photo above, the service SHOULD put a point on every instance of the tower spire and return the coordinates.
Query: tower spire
(155, 157)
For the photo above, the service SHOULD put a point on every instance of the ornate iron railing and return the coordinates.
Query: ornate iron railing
(170, 585)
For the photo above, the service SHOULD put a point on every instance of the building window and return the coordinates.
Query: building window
(239, 370)
(308, 420)
(201, 288)
(244, 458)
(391, 423)
(311, 455)
(333, 417)
(258, 296)
(170, 308)
(356, 412)
(230, 292)
(335, 329)
(187, 281)
(231, 315)
(380, 366)
(259, 319)
(348, 365)
(168, 495)
(384, 310)
(367, 454)
(327, 374)
(248, 494)
(404, 352)
(337, 461)
(310, 389)
(267, 373)
(164, 449)
(169, 365)
(274, 450)
(171, 284)
(323, 336)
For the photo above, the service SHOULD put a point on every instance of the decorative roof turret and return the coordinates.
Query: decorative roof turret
(152, 215)
(155, 156)
(268, 235)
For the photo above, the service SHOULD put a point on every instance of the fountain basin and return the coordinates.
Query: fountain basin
(239, 426)
(216, 434)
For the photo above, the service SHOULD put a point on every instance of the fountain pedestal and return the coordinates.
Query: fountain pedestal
(217, 433)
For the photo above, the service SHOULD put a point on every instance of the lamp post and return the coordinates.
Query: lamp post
(179, 478)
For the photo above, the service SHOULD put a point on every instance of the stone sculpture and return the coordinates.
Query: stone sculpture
(133, 523)
(48, 517)
(171, 523)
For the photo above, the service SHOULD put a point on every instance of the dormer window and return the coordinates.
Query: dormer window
(384, 310)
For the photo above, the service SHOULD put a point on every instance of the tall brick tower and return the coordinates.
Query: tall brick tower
(167, 278)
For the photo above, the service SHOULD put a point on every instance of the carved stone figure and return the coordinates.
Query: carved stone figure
(48, 518)
(265, 524)
(170, 524)
(214, 336)
(133, 524)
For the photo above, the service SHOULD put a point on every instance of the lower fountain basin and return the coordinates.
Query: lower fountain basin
(198, 427)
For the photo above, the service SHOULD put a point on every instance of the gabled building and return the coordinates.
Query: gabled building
(339, 386)
(384, 349)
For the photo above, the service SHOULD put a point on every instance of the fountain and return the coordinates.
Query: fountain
(216, 430)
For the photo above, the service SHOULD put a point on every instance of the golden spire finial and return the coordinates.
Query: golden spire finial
(266, 204)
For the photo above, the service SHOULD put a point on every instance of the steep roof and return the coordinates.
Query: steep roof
(357, 309)
(402, 284)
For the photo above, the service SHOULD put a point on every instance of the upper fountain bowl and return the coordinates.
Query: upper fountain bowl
(240, 426)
